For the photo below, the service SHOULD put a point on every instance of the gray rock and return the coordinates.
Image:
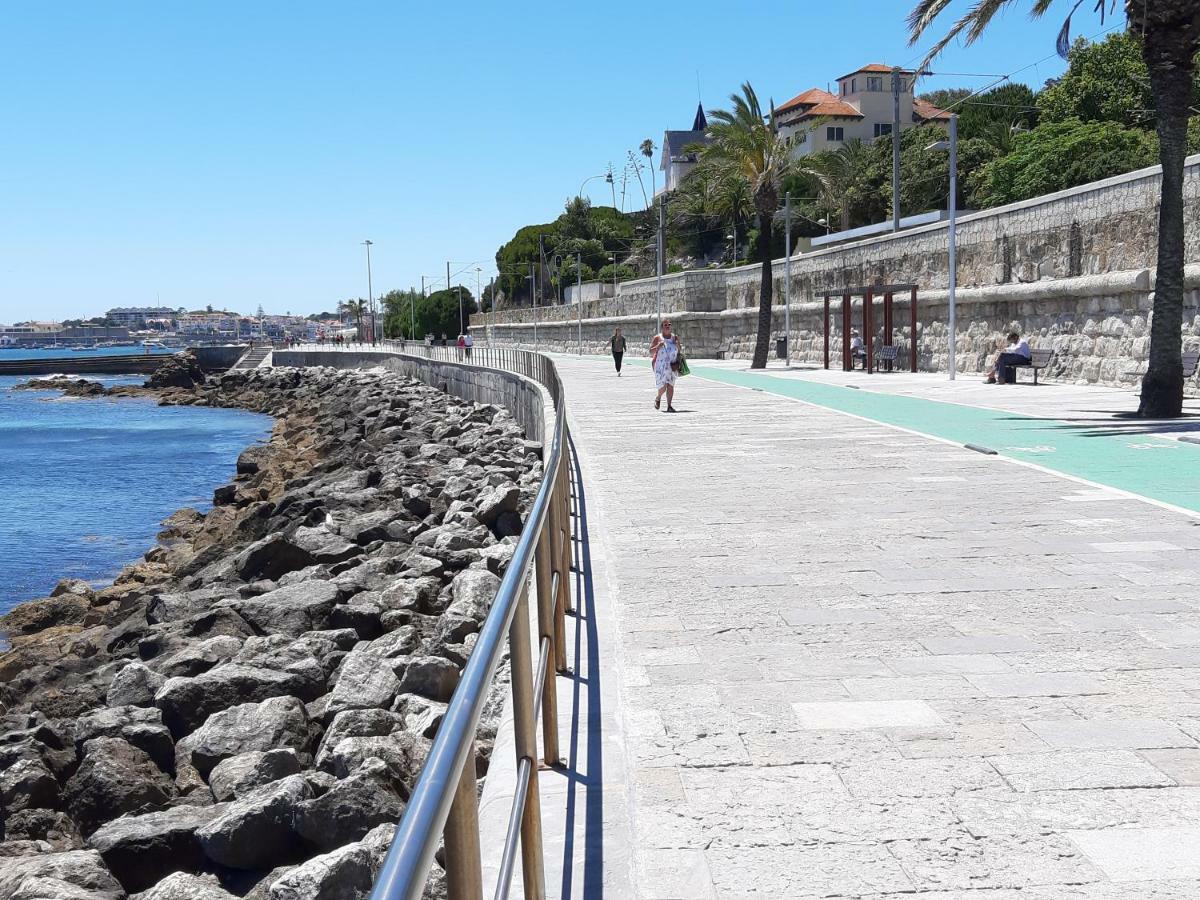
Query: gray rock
(239, 775)
(403, 752)
(114, 778)
(421, 715)
(199, 657)
(346, 873)
(323, 546)
(352, 807)
(277, 722)
(187, 702)
(366, 680)
(142, 850)
(134, 685)
(290, 610)
(504, 498)
(256, 831)
(455, 545)
(430, 676)
(183, 886)
(411, 593)
(112, 721)
(70, 875)
(27, 784)
(52, 827)
(271, 558)
(472, 592)
(355, 723)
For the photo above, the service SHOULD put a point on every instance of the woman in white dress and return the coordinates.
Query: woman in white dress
(664, 353)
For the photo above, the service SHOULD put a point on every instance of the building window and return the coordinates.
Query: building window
(854, 85)
(833, 133)
(874, 84)
(883, 128)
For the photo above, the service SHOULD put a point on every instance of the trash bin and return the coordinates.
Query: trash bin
(781, 348)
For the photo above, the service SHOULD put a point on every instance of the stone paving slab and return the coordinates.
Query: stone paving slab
(844, 675)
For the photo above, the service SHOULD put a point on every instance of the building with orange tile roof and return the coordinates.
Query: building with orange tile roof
(818, 120)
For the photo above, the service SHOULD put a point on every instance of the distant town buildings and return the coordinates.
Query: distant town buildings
(158, 318)
(862, 109)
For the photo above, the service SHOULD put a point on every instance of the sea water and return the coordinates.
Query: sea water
(84, 483)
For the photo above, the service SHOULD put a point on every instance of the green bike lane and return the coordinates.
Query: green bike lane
(1131, 460)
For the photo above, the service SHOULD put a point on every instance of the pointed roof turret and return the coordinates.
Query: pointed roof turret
(700, 123)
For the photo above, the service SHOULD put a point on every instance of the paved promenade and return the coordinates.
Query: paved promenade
(857, 662)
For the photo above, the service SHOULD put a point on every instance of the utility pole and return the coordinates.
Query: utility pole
(461, 328)
(787, 279)
(412, 312)
(478, 293)
(492, 330)
(662, 224)
(533, 297)
(579, 296)
(895, 149)
(370, 291)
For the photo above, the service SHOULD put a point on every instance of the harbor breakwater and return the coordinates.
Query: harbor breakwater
(243, 712)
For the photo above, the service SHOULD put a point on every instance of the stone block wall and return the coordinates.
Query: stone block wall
(1072, 270)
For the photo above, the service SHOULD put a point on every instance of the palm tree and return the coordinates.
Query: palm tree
(1170, 32)
(357, 308)
(647, 148)
(744, 144)
(838, 172)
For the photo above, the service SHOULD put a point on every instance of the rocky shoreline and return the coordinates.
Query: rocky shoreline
(244, 711)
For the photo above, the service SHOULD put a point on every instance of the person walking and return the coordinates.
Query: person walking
(664, 359)
(468, 343)
(617, 342)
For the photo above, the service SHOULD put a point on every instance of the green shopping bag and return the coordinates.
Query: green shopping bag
(683, 366)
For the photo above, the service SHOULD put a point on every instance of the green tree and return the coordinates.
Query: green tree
(996, 114)
(1104, 82)
(849, 182)
(647, 149)
(1169, 33)
(1060, 155)
(744, 144)
(356, 309)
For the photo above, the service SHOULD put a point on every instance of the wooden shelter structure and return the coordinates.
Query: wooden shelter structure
(869, 294)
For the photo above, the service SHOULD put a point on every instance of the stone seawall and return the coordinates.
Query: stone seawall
(1072, 270)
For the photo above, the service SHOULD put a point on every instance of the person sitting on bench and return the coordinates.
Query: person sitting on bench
(1017, 353)
(857, 350)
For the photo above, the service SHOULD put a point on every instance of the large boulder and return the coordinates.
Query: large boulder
(256, 832)
(27, 784)
(180, 370)
(238, 775)
(432, 677)
(278, 722)
(53, 827)
(366, 680)
(403, 753)
(134, 685)
(272, 557)
(323, 545)
(70, 875)
(355, 723)
(472, 592)
(142, 850)
(114, 778)
(346, 873)
(352, 807)
(186, 703)
(290, 610)
(183, 886)
(503, 498)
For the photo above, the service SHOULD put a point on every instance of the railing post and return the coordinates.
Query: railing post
(464, 872)
(525, 733)
(545, 602)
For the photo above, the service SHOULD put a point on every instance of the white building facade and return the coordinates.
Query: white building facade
(817, 120)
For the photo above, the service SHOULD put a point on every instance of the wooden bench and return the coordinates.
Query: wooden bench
(1038, 360)
(886, 354)
(723, 350)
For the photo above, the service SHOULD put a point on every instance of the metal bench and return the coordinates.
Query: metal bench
(886, 354)
(723, 350)
(1039, 359)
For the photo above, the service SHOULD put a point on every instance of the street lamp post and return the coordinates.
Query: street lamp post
(579, 297)
(478, 295)
(787, 280)
(461, 325)
(952, 235)
(370, 291)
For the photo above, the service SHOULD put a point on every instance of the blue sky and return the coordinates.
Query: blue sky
(239, 153)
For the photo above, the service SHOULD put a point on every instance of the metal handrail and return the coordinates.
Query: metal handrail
(444, 799)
